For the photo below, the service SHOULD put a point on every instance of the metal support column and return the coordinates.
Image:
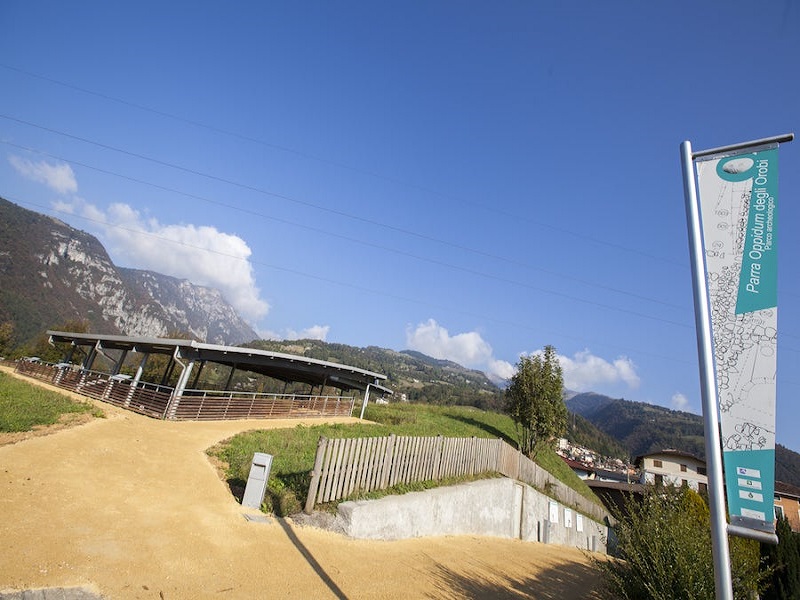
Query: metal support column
(70, 352)
(118, 364)
(137, 376)
(197, 374)
(364, 403)
(708, 389)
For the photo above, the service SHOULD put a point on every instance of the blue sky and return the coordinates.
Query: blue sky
(472, 180)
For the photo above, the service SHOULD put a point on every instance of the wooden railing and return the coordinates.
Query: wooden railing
(344, 467)
(194, 405)
(199, 405)
(144, 398)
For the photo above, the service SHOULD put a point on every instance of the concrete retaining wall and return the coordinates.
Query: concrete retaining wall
(492, 507)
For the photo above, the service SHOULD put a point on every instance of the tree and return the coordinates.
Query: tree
(784, 561)
(663, 543)
(40, 346)
(6, 338)
(535, 400)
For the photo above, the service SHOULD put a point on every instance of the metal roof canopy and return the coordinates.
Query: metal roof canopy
(285, 367)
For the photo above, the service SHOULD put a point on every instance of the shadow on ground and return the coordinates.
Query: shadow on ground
(236, 487)
(486, 427)
(312, 562)
(573, 582)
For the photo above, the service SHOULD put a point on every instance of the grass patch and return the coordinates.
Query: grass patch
(293, 450)
(24, 406)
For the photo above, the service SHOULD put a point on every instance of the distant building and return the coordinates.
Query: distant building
(623, 476)
(615, 494)
(581, 470)
(787, 504)
(673, 467)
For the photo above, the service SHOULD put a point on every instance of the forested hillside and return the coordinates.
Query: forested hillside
(582, 432)
(412, 376)
(642, 428)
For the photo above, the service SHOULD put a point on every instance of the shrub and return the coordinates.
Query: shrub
(664, 551)
(784, 561)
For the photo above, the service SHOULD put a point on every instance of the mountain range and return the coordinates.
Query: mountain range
(51, 273)
(643, 428)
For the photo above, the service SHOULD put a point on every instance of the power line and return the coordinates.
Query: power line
(347, 215)
(337, 164)
(386, 248)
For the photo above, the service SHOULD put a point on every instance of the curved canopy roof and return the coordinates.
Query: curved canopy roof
(285, 367)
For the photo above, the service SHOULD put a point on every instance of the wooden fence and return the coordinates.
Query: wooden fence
(345, 466)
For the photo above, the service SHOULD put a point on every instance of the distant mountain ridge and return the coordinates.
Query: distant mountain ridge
(643, 428)
(411, 375)
(51, 273)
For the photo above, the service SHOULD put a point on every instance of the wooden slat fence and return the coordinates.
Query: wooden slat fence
(344, 466)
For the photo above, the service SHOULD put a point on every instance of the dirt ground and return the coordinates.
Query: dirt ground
(131, 507)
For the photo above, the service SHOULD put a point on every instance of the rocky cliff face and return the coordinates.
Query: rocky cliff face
(203, 310)
(51, 273)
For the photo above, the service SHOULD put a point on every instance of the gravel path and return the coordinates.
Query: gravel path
(131, 507)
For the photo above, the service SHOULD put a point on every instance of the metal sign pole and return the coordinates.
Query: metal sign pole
(716, 493)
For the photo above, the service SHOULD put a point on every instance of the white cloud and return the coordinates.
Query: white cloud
(584, 371)
(200, 253)
(315, 332)
(63, 207)
(467, 349)
(500, 371)
(57, 176)
(679, 402)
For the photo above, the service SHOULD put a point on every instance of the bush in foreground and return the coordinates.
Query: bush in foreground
(784, 560)
(664, 551)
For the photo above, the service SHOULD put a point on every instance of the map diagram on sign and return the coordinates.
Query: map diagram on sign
(745, 344)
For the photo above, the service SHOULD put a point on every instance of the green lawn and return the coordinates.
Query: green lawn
(23, 405)
(294, 450)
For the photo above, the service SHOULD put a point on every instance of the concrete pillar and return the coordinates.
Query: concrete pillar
(183, 379)
(140, 369)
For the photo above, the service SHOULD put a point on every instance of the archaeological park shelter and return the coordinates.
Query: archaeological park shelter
(331, 387)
